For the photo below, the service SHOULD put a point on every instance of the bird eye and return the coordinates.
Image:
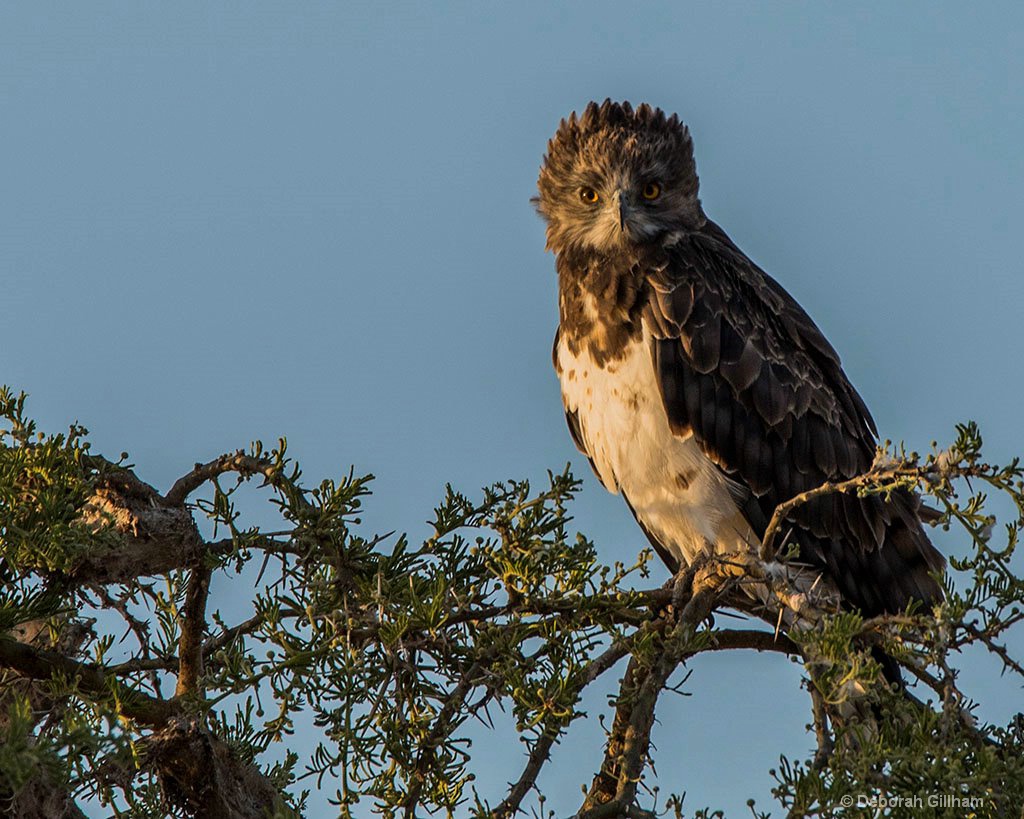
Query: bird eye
(651, 191)
(589, 195)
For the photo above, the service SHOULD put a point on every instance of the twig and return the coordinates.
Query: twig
(995, 648)
(214, 644)
(821, 731)
(441, 726)
(874, 475)
(139, 628)
(608, 658)
(924, 676)
(538, 756)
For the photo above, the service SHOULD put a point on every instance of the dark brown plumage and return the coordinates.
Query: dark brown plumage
(740, 369)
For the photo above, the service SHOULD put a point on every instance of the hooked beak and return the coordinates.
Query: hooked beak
(623, 211)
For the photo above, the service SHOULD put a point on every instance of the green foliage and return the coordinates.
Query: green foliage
(391, 648)
(44, 483)
(915, 754)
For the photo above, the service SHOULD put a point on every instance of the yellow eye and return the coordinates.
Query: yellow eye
(589, 195)
(651, 191)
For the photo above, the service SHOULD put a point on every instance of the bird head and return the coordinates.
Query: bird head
(617, 177)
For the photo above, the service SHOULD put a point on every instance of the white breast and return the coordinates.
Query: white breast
(682, 498)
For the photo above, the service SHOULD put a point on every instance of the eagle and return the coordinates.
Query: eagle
(695, 384)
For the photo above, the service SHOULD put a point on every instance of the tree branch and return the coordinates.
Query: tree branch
(156, 538)
(244, 465)
(196, 769)
(42, 664)
(193, 625)
(751, 638)
(542, 747)
(695, 593)
(517, 793)
(995, 648)
(42, 794)
(821, 729)
(202, 775)
(442, 725)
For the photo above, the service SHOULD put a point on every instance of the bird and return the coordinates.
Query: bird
(696, 385)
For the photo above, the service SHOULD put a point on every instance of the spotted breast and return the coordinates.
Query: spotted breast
(685, 503)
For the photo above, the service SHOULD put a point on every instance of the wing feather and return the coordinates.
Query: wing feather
(745, 369)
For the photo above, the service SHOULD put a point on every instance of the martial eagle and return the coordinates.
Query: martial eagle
(695, 384)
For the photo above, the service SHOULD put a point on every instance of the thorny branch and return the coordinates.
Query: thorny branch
(394, 648)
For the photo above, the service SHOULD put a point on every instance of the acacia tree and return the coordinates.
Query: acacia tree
(120, 685)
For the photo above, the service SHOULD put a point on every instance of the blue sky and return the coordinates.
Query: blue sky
(224, 221)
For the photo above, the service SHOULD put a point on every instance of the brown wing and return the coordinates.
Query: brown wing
(742, 366)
